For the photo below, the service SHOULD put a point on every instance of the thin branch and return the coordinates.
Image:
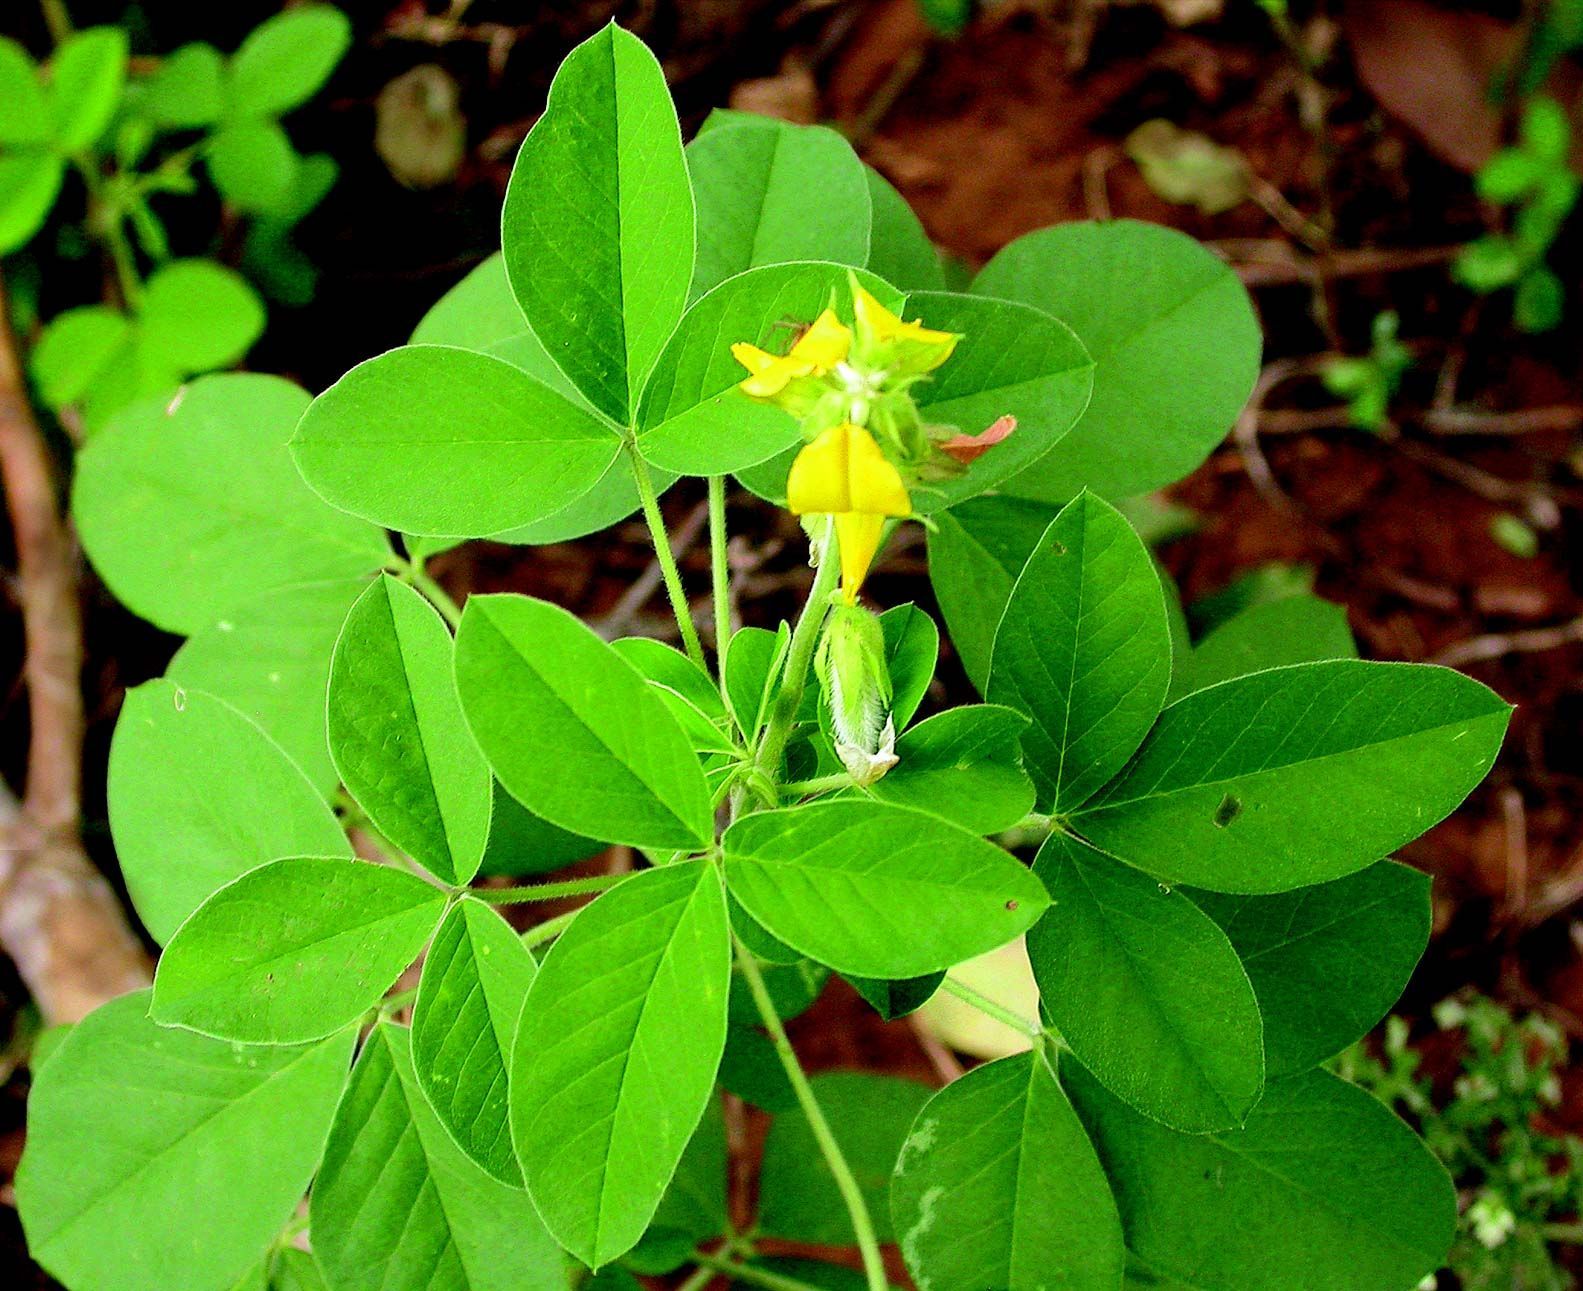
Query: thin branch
(1494, 645)
(60, 920)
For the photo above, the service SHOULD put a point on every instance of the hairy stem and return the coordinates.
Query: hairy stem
(798, 660)
(990, 1009)
(666, 558)
(720, 574)
(547, 891)
(851, 1194)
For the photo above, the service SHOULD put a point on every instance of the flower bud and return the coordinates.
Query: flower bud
(856, 684)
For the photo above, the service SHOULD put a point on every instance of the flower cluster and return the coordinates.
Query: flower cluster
(851, 388)
(867, 448)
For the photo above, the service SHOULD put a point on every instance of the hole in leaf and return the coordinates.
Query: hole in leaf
(1057, 548)
(1230, 808)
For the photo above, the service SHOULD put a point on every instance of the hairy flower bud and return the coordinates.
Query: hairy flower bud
(856, 684)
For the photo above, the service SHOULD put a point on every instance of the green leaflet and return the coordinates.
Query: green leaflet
(1013, 360)
(870, 1116)
(963, 764)
(690, 693)
(1146, 426)
(398, 1207)
(480, 313)
(1084, 649)
(431, 439)
(897, 999)
(975, 554)
(1147, 990)
(754, 657)
(294, 950)
(543, 694)
(187, 89)
(998, 1186)
(901, 252)
(1327, 962)
(269, 656)
(1297, 775)
(1322, 1187)
(475, 977)
(692, 419)
(136, 1133)
(875, 890)
(521, 843)
(253, 165)
(198, 796)
(912, 649)
(286, 59)
(87, 76)
(598, 222)
(196, 315)
(1272, 634)
(188, 509)
(620, 1037)
(769, 192)
(397, 734)
(694, 1207)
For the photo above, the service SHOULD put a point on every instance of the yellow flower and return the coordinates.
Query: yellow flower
(877, 322)
(817, 350)
(843, 474)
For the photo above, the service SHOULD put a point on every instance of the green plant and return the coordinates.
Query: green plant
(1209, 917)
(1532, 180)
(1520, 1183)
(132, 141)
(1370, 382)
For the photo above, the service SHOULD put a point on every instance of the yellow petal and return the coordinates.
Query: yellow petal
(883, 325)
(824, 344)
(845, 470)
(818, 481)
(874, 486)
(858, 536)
(770, 372)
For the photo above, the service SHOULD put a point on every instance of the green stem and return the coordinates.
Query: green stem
(547, 891)
(550, 929)
(710, 1265)
(438, 595)
(990, 1009)
(104, 218)
(720, 574)
(666, 557)
(851, 1194)
(56, 19)
(805, 637)
(1569, 1233)
(819, 784)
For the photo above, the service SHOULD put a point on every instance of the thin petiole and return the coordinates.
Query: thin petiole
(851, 1194)
(990, 1009)
(710, 1265)
(666, 557)
(550, 929)
(720, 574)
(819, 784)
(547, 891)
(441, 599)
